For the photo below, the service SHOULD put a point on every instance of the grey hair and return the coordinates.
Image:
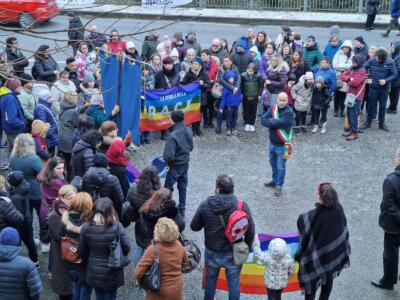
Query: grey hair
(23, 146)
(191, 50)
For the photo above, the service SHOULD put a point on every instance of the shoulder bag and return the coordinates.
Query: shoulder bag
(351, 99)
(117, 259)
(151, 279)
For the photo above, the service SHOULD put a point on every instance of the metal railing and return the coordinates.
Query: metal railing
(346, 6)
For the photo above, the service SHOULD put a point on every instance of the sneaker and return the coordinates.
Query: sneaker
(4, 166)
(252, 128)
(323, 130)
(247, 127)
(45, 248)
(37, 242)
(303, 128)
(278, 191)
(315, 129)
(218, 130)
(228, 132)
(270, 184)
(235, 132)
(296, 129)
(132, 148)
(386, 34)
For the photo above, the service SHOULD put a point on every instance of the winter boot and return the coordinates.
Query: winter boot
(323, 130)
(315, 129)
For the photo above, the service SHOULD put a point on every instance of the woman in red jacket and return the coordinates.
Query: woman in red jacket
(117, 160)
(211, 67)
(356, 79)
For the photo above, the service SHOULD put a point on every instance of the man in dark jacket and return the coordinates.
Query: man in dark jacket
(19, 277)
(218, 249)
(70, 67)
(75, 31)
(149, 46)
(100, 183)
(389, 221)
(280, 132)
(15, 56)
(9, 214)
(95, 39)
(177, 155)
(241, 59)
(84, 150)
(192, 43)
(383, 71)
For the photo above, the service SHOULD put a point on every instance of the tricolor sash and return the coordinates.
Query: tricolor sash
(284, 136)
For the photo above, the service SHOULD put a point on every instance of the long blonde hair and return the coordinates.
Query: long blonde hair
(23, 146)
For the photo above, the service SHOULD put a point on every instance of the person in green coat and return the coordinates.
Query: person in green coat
(97, 113)
(312, 54)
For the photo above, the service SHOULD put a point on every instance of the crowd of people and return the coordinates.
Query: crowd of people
(67, 163)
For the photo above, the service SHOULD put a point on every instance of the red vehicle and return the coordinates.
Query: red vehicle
(27, 13)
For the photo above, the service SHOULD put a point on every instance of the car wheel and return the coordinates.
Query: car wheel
(26, 20)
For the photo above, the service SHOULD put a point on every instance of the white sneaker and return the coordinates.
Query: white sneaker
(37, 242)
(315, 129)
(247, 127)
(323, 130)
(45, 248)
(252, 128)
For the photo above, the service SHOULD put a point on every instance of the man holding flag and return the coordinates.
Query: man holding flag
(279, 120)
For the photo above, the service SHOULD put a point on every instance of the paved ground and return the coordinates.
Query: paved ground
(357, 169)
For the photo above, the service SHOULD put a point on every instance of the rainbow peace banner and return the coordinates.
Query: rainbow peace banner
(252, 275)
(159, 104)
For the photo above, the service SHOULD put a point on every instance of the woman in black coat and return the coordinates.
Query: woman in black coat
(324, 248)
(159, 205)
(95, 239)
(197, 73)
(144, 187)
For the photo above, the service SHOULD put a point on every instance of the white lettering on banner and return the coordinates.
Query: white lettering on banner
(165, 3)
(178, 106)
(172, 96)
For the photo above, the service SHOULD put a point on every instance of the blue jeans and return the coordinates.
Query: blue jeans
(105, 295)
(213, 262)
(352, 115)
(81, 291)
(178, 174)
(278, 164)
(231, 117)
(137, 254)
(375, 98)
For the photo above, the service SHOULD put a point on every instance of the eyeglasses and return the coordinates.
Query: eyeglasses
(214, 45)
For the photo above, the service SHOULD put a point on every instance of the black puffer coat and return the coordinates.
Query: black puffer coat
(82, 157)
(192, 77)
(99, 182)
(241, 60)
(147, 222)
(17, 59)
(389, 218)
(75, 31)
(94, 247)
(20, 198)
(43, 69)
(9, 215)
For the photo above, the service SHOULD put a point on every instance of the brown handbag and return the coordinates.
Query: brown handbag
(69, 250)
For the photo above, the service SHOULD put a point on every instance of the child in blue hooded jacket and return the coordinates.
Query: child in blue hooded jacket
(229, 105)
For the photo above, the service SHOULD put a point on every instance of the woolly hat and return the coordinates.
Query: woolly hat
(177, 116)
(198, 60)
(13, 84)
(320, 79)
(254, 49)
(334, 30)
(168, 60)
(9, 237)
(174, 52)
(89, 76)
(241, 43)
(310, 38)
(130, 45)
(178, 35)
(40, 127)
(44, 94)
(360, 39)
(15, 178)
(309, 76)
(100, 160)
(292, 77)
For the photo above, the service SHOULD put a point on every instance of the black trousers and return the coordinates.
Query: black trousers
(274, 294)
(301, 117)
(250, 111)
(394, 98)
(370, 21)
(339, 101)
(365, 102)
(391, 244)
(394, 23)
(326, 290)
(26, 233)
(319, 116)
(207, 110)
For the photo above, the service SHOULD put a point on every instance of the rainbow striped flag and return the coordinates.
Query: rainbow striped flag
(252, 275)
(158, 105)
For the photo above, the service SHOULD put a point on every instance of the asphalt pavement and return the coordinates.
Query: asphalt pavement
(357, 170)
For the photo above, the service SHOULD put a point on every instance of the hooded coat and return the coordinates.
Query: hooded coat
(69, 121)
(19, 277)
(330, 50)
(10, 216)
(44, 112)
(329, 76)
(279, 264)
(228, 98)
(342, 62)
(241, 59)
(301, 93)
(12, 116)
(118, 160)
(207, 217)
(221, 77)
(355, 81)
(313, 56)
(20, 198)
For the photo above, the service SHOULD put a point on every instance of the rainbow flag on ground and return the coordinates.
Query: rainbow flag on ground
(252, 275)
(159, 104)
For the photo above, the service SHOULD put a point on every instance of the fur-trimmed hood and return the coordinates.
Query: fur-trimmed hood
(72, 221)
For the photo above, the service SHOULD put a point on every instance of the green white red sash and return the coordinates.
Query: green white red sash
(284, 136)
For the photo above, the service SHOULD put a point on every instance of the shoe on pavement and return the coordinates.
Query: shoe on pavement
(386, 34)
(391, 112)
(303, 128)
(352, 137)
(278, 191)
(270, 184)
(45, 248)
(218, 130)
(336, 114)
(252, 128)
(296, 129)
(247, 127)
(235, 132)
(37, 242)
(346, 133)
(383, 127)
(323, 130)
(211, 125)
(315, 129)
(381, 285)
(228, 132)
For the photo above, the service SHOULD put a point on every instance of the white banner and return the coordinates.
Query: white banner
(165, 3)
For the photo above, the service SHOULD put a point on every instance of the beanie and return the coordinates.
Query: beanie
(100, 160)
(198, 60)
(13, 84)
(310, 38)
(174, 52)
(360, 39)
(241, 43)
(309, 76)
(89, 77)
(334, 30)
(130, 44)
(9, 237)
(44, 94)
(168, 60)
(177, 116)
(15, 178)
(320, 79)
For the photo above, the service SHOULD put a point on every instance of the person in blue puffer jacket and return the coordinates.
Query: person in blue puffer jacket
(229, 103)
(394, 17)
(329, 75)
(44, 112)
(19, 278)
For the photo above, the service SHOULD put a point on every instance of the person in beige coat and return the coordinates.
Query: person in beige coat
(172, 257)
